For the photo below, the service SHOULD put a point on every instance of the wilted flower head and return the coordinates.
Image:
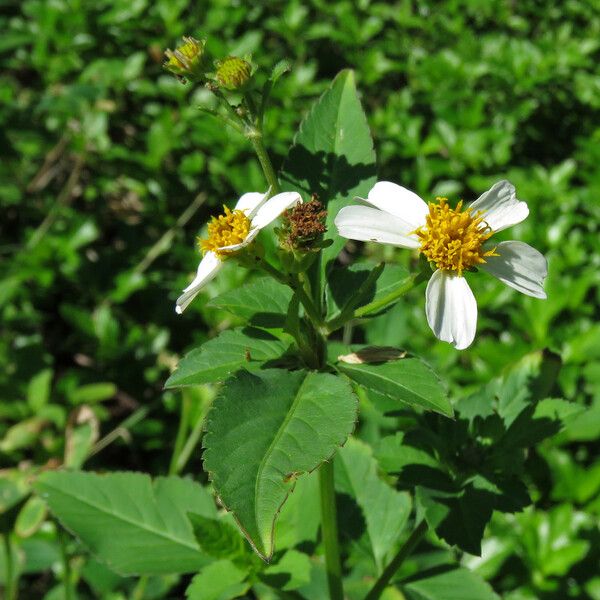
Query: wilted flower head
(189, 60)
(233, 73)
(303, 225)
(233, 231)
(454, 241)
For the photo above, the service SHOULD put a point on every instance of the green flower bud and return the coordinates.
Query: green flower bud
(189, 60)
(233, 73)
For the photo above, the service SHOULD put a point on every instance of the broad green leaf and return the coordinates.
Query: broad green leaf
(385, 509)
(220, 357)
(217, 538)
(263, 303)
(134, 525)
(264, 430)
(333, 154)
(453, 584)
(344, 283)
(300, 516)
(221, 580)
(409, 381)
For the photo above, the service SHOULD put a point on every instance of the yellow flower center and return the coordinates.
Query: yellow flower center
(227, 229)
(452, 238)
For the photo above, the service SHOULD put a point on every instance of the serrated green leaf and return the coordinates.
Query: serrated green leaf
(452, 584)
(134, 525)
(220, 357)
(263, 303)
(333, 154)
(221, 580)
(385, 509)
(408, 380)
(264, 430)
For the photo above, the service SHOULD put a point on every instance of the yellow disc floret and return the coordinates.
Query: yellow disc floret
(452, 238)
(227, 229)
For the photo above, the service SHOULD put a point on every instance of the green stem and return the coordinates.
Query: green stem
(396, 562)
(10, 582)
(297, 287)
(333, 563)
(189, 446)
(265, 161)
(182, 432)
(376, 305)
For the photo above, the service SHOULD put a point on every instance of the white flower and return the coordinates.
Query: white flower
(232, 231)
(454, 240)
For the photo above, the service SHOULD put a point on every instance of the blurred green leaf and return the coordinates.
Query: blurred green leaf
(114, 513)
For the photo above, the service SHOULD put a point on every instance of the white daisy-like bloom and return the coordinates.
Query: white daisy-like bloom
(231, 232)
(454, 240)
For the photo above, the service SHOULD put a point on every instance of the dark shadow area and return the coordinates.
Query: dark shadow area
(325, 174)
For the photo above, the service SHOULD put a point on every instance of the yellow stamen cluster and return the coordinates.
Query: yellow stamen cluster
(452, 238)
(227, 229)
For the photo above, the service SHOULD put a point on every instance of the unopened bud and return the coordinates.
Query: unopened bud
(233, 73)
(189, 60)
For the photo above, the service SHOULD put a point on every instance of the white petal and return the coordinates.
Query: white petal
(519, 266)
(451, 309)
(500, 206)
(209, 266)
(273, 207)
(250, 202)
(249, 238)
(372, 225)
(398, 201)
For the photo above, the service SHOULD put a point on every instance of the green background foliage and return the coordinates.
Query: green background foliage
(109, 171)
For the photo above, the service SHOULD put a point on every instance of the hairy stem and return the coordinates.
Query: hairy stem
(396, 562)
(329, 531)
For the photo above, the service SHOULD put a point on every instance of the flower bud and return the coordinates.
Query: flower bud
(189, 60)
(233, 73)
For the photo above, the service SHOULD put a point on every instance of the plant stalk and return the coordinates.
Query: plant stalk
(10, 584)
(265, 161)
(396, 562)
(333, 564)
(376, 305)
